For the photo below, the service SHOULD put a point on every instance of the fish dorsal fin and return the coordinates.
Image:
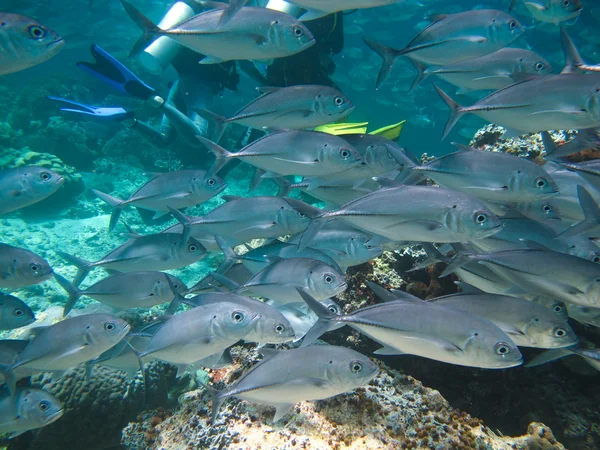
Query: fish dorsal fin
(264, 90)
(437, 17)
(463, 147)
(230, 198)
(268, 353)
(466, 288)
(533, 245)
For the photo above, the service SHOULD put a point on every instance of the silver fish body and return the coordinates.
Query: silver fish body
(320, 8)
(20, 268)
(552, 11)
(24, 43)
(258, 258)
(28, 409)
(14, 313)
(25, 186)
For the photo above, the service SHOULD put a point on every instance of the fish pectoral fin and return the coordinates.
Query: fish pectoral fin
(211, 60)
(474, 39)
(387, 350)
(281, 410)
(536, 6)
(430, 225)
(488, 188)
(573, 111)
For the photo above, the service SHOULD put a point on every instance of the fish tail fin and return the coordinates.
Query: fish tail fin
(83, 266)
(283, 185)
(117, 205)
(421, 75)
(73, 292)
(219, 122)
(217, 401)
(138, 357)
(549, 144)
(230, 256)
(462, 257)
(185, 222)
(326, 320)
(149, 28)
(256, 179)
(549, 356)
(573, 59)
(221, 155)
(9, 378)
(456, 111)
(434, 256)
(591, 212)
(311, 232)
(389, 55)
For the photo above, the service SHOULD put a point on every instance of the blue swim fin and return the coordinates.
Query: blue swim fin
(112, 72)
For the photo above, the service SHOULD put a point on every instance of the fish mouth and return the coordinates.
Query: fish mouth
(57, 415)
(59, 41)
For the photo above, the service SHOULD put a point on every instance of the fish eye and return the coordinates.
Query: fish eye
(566, 2)
(481, 217)
(339, 101)
(110, 326)
(596, 259)
(211, 182)
(279, 328)
(176, 286)
(512, 24)
(333, 309)
(237, 316)
(328, 278)
(298, 32)
(19, 312)
(45, 176)
(560, 332)
(547, 208)
(37, 32)
(345, 153)
(540, 66)
(302, 215)
(193, 248)
(502, 348)
(541, 183)
(44, 405)
(34, 267)
(356, 366)
(558, 308)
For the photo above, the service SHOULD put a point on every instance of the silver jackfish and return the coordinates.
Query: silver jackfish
(453, 38)
(164, 251)
(24, 186)
(335, 192)
(424, 329)
(490, 72)
(67, 344)
(14, 313)
(251, 34)
(296, 152)
(126, 290)
(290, 108)
(414, 213)
(279, 282)
(491, 176)
(286, 377)
(565, 101)
(303, 318)
(178, 190)
(200, 332)
(551, 11)
(319, 8)
(28, 409)
(20, 268)
(528, 324)
(592, 357)
(583, 140)
(24, 43)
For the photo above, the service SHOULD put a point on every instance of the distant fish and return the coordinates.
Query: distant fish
(490, 72)
(286, 377)
(24, 186)
(24, 43)
(20, 268)
(28, 409)
(162, 251)
(586, 139)
(453, 38)
(291, 108)
(14, 313)
(319, 8)
(568, 101)
(178, 189)
(592, 357)
(551, 11)
(251, 34)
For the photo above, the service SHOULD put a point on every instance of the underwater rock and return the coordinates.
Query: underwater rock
(395, 411)
(98, 407)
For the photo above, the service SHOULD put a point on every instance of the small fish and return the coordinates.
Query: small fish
(200, 332)
(286, 377)
(24, 186)
(296, 152)
(424, 329)
(24, 43)
(453, 38)
(584, 314)
(271, 327)
(568, 101)
(414, 213)
(28, 409)
(66, 344)
(126, 290)
(490, 72)
(551, 11)
(14, 313)
(178, 190)
(20, 268)
(303, 318)
(163, 251)
(528, 324)
(251, 34)
(592, 357)
(335, 192)
(583, 140)
(491, 176)
(287, 108)
(9, 350)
